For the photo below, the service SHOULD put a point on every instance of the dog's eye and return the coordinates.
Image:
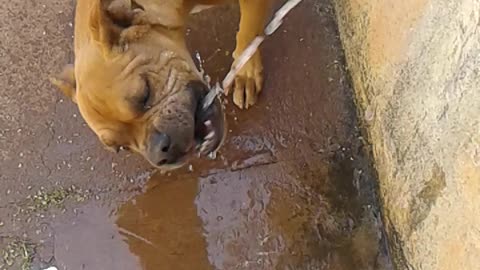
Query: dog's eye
(124, 148)
(145, 100)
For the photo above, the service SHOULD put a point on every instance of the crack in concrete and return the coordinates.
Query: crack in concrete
(44, 150)
(52, 132)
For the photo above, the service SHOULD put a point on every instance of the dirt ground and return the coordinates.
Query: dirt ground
(291, 189)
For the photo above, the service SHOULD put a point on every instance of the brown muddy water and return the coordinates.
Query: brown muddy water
(292, 188)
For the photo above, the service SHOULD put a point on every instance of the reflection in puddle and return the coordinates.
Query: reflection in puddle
(92, 241)
(231, 206)
(162, 228)
(282, 215)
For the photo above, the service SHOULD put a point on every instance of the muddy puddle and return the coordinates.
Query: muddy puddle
(292, 188)
(305, 213)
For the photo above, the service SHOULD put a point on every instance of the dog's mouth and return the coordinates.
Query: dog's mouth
(209, 128)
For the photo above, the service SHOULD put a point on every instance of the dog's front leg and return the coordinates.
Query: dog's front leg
(249, 81)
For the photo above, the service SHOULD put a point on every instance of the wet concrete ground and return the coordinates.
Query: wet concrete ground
(292, 188)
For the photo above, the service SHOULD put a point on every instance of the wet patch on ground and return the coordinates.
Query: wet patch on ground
(292, 188)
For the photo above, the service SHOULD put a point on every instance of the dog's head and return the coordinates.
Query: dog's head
(136, 85)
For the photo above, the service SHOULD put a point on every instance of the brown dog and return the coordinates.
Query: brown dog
(136, 85)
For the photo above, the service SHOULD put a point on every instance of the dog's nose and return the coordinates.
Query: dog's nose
(161, 149)
(161, 141)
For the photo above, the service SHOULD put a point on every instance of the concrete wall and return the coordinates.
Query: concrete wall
(415, 66)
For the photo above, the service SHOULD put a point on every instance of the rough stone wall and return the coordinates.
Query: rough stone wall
(415, 66)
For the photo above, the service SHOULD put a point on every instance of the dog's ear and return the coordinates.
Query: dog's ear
(109, 18)
(65, 81)
(117, 22)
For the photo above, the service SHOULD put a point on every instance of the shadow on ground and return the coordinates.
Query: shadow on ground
(291, 188)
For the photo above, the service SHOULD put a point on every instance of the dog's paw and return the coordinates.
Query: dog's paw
(248, 82)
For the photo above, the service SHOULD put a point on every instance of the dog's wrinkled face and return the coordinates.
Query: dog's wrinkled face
(143, 93)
